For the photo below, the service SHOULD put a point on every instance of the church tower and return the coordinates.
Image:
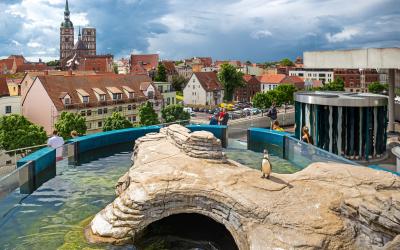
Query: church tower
(89, 39)
(66, 35)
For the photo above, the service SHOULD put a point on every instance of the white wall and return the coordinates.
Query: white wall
(193, 93)
(38, 107)
(313, 75)
(265, 87)
(353, 59)
(13, 101)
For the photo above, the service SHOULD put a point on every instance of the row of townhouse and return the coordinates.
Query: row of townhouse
(204, 88)
(96, 97)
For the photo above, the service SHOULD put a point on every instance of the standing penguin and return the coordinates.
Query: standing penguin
(266, 166)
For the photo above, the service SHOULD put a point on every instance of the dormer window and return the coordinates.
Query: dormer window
(83, 95)
(67, 101)
(102, 97)
(117, 96)
(85, 99)
(130, 93)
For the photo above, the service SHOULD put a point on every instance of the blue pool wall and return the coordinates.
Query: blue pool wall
(43, 161)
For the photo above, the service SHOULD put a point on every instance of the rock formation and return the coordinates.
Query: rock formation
(325, 206)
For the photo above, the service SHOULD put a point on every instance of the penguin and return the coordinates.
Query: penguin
(266, 166)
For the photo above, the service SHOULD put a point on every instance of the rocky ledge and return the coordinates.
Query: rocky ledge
(325, 206)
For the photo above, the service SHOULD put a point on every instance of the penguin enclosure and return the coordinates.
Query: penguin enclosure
(352, 125)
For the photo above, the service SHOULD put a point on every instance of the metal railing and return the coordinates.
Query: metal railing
(9, 158)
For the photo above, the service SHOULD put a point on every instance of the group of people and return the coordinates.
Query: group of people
(220, 118)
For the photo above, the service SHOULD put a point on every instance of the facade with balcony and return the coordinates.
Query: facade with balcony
(167, 91)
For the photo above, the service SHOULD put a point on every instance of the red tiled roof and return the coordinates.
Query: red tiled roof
(249, 79)
(138, 70)
(272, 78)
(4, 87)
(170, 67)
(150, 59)
(98, 63)
(57, 86)
(293, 80)
(208, 80)
(207, 61)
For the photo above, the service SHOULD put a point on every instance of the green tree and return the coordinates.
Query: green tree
(116, 121)
(173, 113)
(276, 96)
(148, 115)
(17, 132)
(286, 62)
(335, 85)
(178, 82)
(231, 79)
(287, 92)
(115, 68)
(161, 75)
(55, 63)
(261, 101)
(377, 87)
(69, 122)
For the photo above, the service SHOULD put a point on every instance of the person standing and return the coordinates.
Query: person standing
(306, 137)
(214, 119)
(225, 118)
(272, 113)
(57, 143)
(221, 115)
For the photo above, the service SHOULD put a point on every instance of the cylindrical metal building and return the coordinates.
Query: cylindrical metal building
(352, 125)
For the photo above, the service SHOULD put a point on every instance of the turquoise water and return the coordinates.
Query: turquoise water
(55, 215)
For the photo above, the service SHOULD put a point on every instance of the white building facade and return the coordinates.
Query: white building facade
(203, 88)
(323, 75)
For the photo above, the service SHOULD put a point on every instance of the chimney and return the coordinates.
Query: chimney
(46, 72)
(69, 73)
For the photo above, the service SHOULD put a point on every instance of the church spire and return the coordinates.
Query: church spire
(67, 22)
(66, 6)
(79, 35)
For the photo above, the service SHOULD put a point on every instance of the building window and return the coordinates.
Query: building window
(160, 88)
(133, 118)
(168, 100)
(83, 113)
(117, 96)
(89, 112)
(120, 108)
(129, 107)
(67, 101)
(8, 109)
(85, 99)
(89, 125)
(105, 110)
(131, 95)
(100, 124)
(173, 100)
(150, 94)
(102, 98)
(99, 111)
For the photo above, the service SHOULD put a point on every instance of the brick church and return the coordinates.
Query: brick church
(81, 55)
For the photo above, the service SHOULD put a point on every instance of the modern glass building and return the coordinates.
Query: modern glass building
(353, 125)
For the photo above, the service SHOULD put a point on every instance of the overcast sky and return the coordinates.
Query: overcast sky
(255, 30)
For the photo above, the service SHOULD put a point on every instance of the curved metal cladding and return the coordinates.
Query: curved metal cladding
(353, 125)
